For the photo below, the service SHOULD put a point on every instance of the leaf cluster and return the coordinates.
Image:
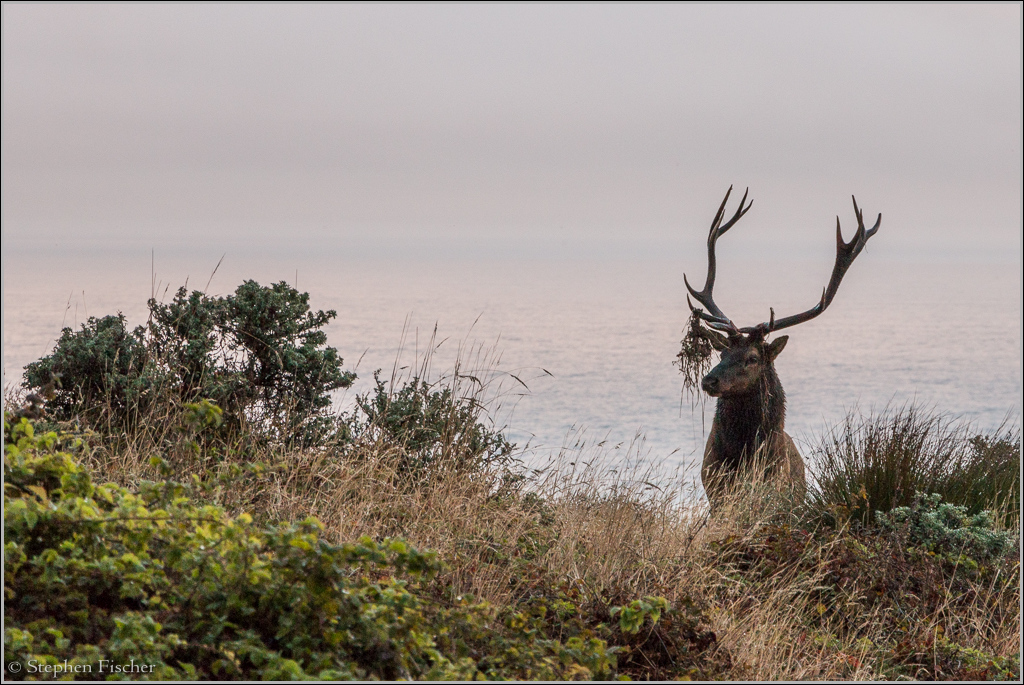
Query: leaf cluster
(99, 574)
(942, 527)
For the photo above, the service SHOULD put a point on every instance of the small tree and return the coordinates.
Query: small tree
(281, 357)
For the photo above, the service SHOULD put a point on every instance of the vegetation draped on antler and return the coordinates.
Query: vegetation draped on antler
(701, 337)
(694, 357)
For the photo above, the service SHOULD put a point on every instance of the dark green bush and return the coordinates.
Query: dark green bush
(880, 462)
(103, 368)
(433, 426)
(184, 335)
(96, 576)
(281, 351)
(260, 354)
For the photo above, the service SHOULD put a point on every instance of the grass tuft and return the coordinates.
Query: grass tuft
(881, 461)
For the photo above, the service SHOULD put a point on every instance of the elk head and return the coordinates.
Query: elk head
(746, 354)
(747, 364)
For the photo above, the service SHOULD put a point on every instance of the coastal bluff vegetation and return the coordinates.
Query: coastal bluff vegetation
(182, 501)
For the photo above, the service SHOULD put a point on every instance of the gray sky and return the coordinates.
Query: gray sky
(510, 127)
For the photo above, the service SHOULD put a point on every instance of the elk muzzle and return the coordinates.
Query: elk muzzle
(711, 384)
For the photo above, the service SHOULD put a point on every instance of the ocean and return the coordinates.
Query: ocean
(583, 348)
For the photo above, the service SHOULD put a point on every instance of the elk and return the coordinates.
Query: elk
(750, 414)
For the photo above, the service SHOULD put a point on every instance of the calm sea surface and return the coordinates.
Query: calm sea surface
(593, 341)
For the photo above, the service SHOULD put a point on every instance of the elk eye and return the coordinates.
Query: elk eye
(751, 361)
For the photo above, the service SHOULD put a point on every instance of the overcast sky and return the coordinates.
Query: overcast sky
(510, 127)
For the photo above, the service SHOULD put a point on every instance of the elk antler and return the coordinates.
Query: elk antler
(845, 254)
(715, 317)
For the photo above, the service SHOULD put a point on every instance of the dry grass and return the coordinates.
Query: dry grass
(783, 599)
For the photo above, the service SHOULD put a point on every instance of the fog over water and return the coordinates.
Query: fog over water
(537, 178)
(605, 330)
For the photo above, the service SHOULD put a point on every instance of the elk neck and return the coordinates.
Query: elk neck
(746, 421)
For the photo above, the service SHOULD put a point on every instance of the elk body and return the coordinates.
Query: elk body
(750, 415)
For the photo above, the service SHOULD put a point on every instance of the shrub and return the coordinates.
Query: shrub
(880, 462)
(433, 426)
(104, 367)
(97, 576)
(183, 334)
(282, 353)
(259, 353)
(947, 528)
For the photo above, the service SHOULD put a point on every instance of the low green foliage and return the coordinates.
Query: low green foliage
(103, 577)
(632, 616)
(947, 528)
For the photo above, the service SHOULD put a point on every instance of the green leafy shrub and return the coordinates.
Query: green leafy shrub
(183, 334)
(942, 527)
(260, 354)
(281, 353)
(433, 426)
(880, 462)
(97, 577)
(676, 643)
(103, 368)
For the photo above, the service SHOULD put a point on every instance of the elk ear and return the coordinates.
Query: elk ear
(775, 347)
(717, 340)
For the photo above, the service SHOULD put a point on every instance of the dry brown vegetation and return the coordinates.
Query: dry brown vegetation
(763, 589)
